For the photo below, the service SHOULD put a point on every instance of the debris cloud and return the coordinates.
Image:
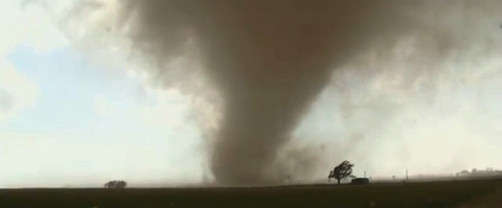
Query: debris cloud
(269, 60)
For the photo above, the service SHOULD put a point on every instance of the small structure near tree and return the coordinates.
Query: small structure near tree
(359, 181)
(116, 184)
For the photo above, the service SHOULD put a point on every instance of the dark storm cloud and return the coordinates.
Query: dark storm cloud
(269, 60)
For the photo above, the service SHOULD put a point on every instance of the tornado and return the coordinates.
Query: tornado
(269, 60)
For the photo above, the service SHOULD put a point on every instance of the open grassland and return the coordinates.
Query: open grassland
(473, 193)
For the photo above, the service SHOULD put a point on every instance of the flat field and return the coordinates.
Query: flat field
(469, 193)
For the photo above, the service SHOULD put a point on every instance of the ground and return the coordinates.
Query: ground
(457, 194)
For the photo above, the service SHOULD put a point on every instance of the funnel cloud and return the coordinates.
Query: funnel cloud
(269, 60)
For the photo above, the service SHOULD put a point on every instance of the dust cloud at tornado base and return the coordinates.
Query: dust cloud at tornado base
(266, 63)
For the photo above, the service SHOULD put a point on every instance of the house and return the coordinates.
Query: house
(359, 181)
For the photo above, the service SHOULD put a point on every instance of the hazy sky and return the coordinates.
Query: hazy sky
(67, 122)
(73, 115)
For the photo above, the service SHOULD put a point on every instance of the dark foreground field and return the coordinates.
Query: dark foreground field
(475, 193)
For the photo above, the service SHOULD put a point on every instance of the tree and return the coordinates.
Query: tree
(116, 184)
(341, 171)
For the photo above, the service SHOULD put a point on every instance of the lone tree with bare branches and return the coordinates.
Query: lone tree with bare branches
(341, 171)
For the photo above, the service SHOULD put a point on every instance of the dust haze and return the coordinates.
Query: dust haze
(269, 61)
(6, 101)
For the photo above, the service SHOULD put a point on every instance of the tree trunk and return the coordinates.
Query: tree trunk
(338, 181)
